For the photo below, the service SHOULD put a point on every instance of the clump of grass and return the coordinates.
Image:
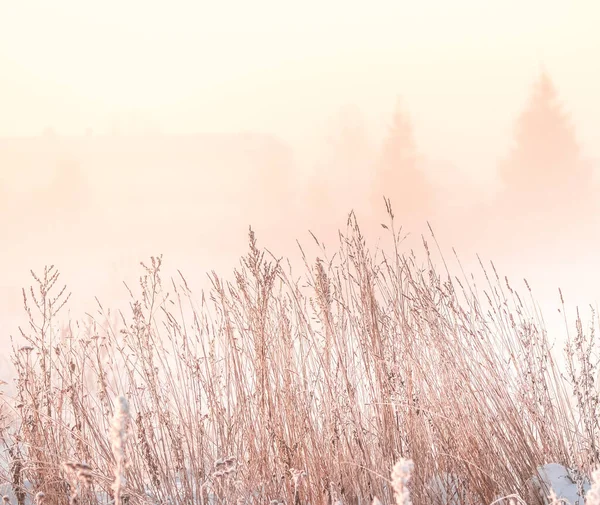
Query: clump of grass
(369, 358)
(78, 473)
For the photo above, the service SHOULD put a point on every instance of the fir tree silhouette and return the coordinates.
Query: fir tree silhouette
(398, 175)
(545, 162)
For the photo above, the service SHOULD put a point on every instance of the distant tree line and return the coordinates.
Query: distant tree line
(544, 170)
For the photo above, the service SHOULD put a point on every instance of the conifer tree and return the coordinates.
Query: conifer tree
(398, 175)
(545, 160)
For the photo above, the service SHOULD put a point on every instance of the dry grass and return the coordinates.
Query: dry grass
(284, 390)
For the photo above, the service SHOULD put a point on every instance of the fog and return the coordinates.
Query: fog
(129, 130)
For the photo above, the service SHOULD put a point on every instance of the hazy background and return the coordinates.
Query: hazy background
(133, 128)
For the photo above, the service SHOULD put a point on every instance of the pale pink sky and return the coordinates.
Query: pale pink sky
(464, 68)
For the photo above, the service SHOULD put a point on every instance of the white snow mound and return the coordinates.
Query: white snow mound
(569, 486)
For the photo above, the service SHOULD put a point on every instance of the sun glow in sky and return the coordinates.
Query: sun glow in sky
(463, 69)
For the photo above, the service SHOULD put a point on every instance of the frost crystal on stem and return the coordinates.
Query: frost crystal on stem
(118, 439)
(593, 495)
(400, 477)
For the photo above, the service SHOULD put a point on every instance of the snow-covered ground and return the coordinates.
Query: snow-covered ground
(566, 484)
(569, 487)
(448, 489)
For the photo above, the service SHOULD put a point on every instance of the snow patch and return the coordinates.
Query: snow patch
(569, 485)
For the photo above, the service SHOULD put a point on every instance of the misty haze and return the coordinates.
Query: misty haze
(270, 253)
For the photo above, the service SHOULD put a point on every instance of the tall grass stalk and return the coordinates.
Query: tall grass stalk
(366, 358)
